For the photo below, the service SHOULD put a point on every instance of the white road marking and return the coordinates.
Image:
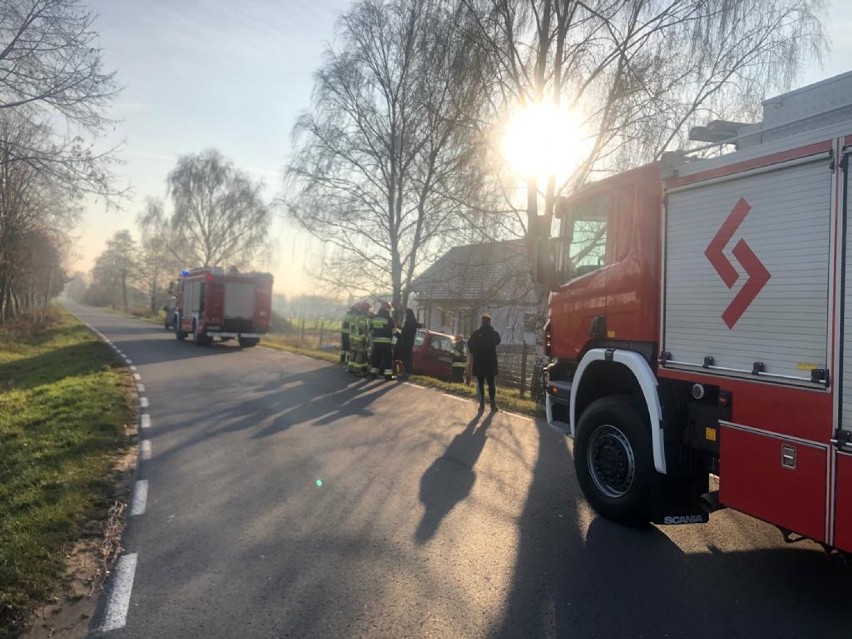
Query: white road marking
(145, 421)
(127, 360)
(461, 399)
(146, 449)
(143, 402)
(140, 387)
(133, 368)
(119, 598)
(518, 416)
(137, 376)
(140, 498)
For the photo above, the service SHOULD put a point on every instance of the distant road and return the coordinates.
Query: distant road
(287, 499)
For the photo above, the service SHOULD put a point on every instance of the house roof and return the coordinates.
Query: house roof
(491, 272)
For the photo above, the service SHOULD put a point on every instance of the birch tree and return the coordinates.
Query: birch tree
(384, 166)
(218, 215)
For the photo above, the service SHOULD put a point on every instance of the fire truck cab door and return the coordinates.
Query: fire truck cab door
(843, 434)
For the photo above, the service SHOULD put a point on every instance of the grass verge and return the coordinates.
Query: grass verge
(64, 410)
(507, 398)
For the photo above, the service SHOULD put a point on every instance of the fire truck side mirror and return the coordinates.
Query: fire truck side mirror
(548, 262)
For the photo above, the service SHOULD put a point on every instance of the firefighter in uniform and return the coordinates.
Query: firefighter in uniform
(362, 361)
(344, 335)
(356, 337)
(382, 328)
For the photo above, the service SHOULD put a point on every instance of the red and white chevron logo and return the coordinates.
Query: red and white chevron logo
(758, 276)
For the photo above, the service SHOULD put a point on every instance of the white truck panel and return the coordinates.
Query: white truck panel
(785, 326)
(192, 297)
(239, 300)
(846, 405)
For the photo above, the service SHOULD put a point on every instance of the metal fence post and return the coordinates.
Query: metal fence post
(524, 369)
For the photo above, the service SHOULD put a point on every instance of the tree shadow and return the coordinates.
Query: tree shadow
(450, 478)
(292, 399)
(86, 358)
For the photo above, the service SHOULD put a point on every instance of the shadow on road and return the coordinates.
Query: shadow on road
(614, 581)
(300, 397)
(450, 478)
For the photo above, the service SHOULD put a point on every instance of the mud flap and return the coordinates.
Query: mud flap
(678, 499)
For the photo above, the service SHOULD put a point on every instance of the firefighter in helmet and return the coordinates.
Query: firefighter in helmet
(362, 354)
(382, 328)
(344, 335)
(356, 338)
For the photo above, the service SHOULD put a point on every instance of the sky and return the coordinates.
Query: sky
(235, 76)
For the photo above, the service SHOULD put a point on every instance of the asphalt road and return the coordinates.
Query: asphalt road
(287, 499)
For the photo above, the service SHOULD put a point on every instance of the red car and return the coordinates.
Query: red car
(435, 354)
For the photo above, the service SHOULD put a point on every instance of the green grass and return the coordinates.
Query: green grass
(64, 404)
(293, 345)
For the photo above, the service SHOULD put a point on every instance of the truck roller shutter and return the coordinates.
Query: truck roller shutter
(747, 273)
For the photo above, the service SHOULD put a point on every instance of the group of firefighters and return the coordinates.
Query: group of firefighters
(371, 344)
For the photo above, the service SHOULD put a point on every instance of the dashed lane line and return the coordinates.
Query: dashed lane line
(145, 421)
(143, 402)
(145, 449)
(119, 598)
(140, 498)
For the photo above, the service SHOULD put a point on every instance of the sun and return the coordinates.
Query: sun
(541, 140)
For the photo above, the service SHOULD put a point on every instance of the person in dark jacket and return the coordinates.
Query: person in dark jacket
(483, 347)
(405, 342)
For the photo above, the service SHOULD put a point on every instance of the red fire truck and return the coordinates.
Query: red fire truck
(211, 302)
(700, 323)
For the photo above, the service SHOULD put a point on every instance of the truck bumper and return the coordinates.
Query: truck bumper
(557, 405)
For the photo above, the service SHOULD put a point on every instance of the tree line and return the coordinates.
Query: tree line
(53, 93)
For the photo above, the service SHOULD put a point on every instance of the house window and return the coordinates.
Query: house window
(465, 326)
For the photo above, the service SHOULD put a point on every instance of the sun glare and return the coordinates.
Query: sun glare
(541, 141)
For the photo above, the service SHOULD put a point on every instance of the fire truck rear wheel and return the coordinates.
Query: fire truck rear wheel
(200, 340)
(614, 460)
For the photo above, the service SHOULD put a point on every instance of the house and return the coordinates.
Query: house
(467, 281)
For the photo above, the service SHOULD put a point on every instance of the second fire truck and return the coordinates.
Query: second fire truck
(211, 302)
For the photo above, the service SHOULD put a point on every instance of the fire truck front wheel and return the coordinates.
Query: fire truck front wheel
(179, 333)
(614, 460)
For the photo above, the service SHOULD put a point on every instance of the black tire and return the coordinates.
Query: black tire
(248, 342)
(614, 461)
(200, 340)
(179, 334)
